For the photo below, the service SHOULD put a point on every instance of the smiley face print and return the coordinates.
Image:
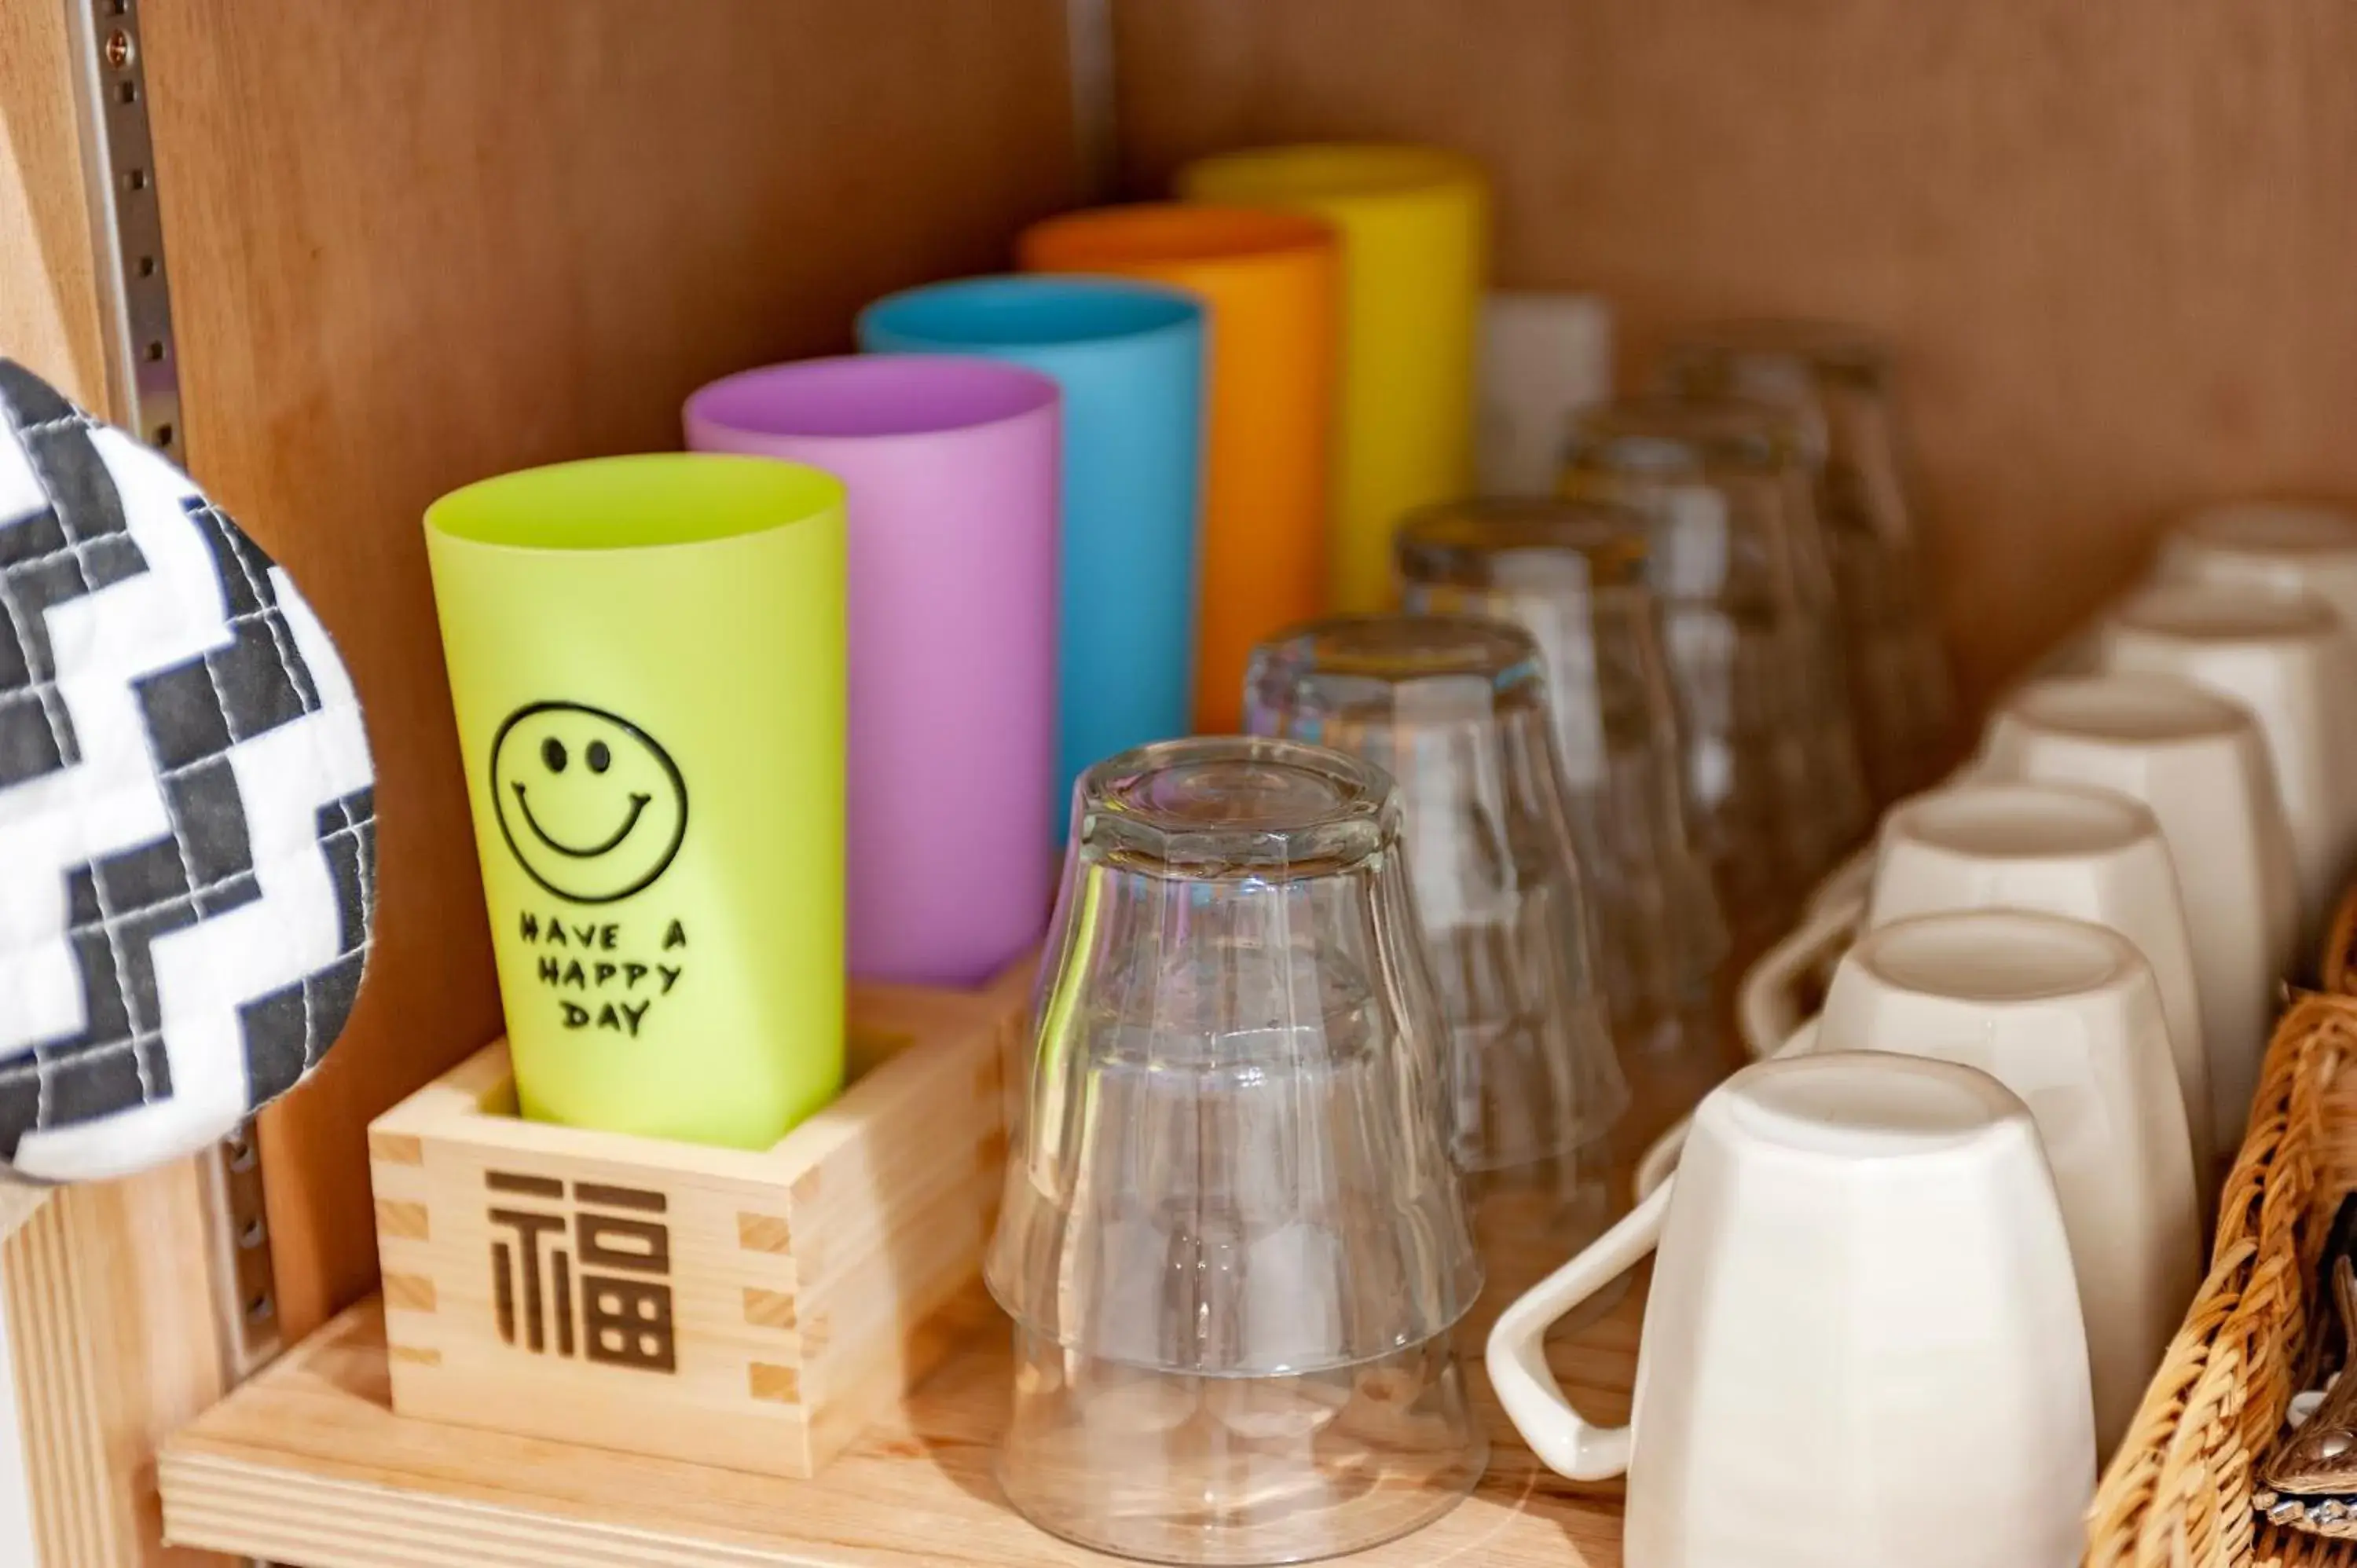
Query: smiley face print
(591, 806)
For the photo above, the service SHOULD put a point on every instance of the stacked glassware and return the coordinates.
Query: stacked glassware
(1572, 574)
(1233, 1241)
(1342, 1017)
(1453, 708)
(1739, 567)
(1838, 383)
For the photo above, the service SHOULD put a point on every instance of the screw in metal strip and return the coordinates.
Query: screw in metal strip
(246, 1301)
(126, 221)
(118, 150)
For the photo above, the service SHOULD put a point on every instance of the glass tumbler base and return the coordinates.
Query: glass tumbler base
(1166, 1468)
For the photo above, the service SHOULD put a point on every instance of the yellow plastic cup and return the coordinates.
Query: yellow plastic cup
(646, 660)
(1415, 227)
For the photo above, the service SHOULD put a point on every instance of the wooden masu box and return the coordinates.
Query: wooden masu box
(747, 1309)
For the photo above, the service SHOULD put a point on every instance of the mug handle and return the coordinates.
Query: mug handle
(1767, 1008)
(1853, 878)
(1659, 1163)
(1566, 1441)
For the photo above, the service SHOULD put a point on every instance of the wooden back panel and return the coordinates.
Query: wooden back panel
(414, 243)
(2114, 240)
(49, 289)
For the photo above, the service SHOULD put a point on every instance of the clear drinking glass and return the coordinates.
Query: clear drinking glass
(1838, 382)
(1233, 1239)
(1739, 570)
(1453, 707)
(1572, 574)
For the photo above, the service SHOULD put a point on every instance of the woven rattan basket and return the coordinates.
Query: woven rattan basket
(2177, 1494)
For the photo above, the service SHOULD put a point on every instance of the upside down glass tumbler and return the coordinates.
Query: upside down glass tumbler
(1573, 574)
(1234, 1242)
(1838, 382)
(1453, 708)
(1739, 566)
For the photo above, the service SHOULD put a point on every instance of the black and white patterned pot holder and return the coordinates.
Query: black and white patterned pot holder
(188, 835)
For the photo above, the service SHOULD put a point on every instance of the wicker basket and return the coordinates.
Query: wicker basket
(2177, 1494)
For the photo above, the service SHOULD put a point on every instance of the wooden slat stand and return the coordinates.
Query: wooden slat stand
(746, 1309)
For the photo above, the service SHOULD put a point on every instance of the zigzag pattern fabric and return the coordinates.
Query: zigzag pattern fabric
(187, 816)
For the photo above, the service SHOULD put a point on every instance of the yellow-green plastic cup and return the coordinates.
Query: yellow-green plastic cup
(646, 660)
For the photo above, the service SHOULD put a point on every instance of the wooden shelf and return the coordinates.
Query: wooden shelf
(307, 1466)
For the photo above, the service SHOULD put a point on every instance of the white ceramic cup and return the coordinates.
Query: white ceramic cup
(2086, 854)
(1863, 1345)
(2289, 659)
(2066, 1016)
(2198, 763)
(2269, 544)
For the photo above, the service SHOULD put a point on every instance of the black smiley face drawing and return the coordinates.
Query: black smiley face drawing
(592, 807)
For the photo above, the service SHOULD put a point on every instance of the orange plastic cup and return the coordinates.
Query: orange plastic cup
(1270, 281)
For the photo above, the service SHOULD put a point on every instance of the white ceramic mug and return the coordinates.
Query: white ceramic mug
(1659, 1163)
(1863, 1345)
(2269, 544)
(2198, 763)
(2087, 854)
(1848, 882)
(2289, 659)
(2066, 1016)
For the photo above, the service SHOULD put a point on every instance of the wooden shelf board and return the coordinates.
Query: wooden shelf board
(307, 1466)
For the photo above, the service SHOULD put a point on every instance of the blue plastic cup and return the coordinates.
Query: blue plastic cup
(1129, 357)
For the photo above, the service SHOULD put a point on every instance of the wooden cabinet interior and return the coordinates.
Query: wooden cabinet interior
(417, 243)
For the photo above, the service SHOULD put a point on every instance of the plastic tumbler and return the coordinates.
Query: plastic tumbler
(1414, 224)
(1269, 279)
(1129, 359)
(950, 464)
(646, 662)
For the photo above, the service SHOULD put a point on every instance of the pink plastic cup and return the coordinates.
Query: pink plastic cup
(951, 464)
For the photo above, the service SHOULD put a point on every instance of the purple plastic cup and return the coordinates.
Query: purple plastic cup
(951, 464)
